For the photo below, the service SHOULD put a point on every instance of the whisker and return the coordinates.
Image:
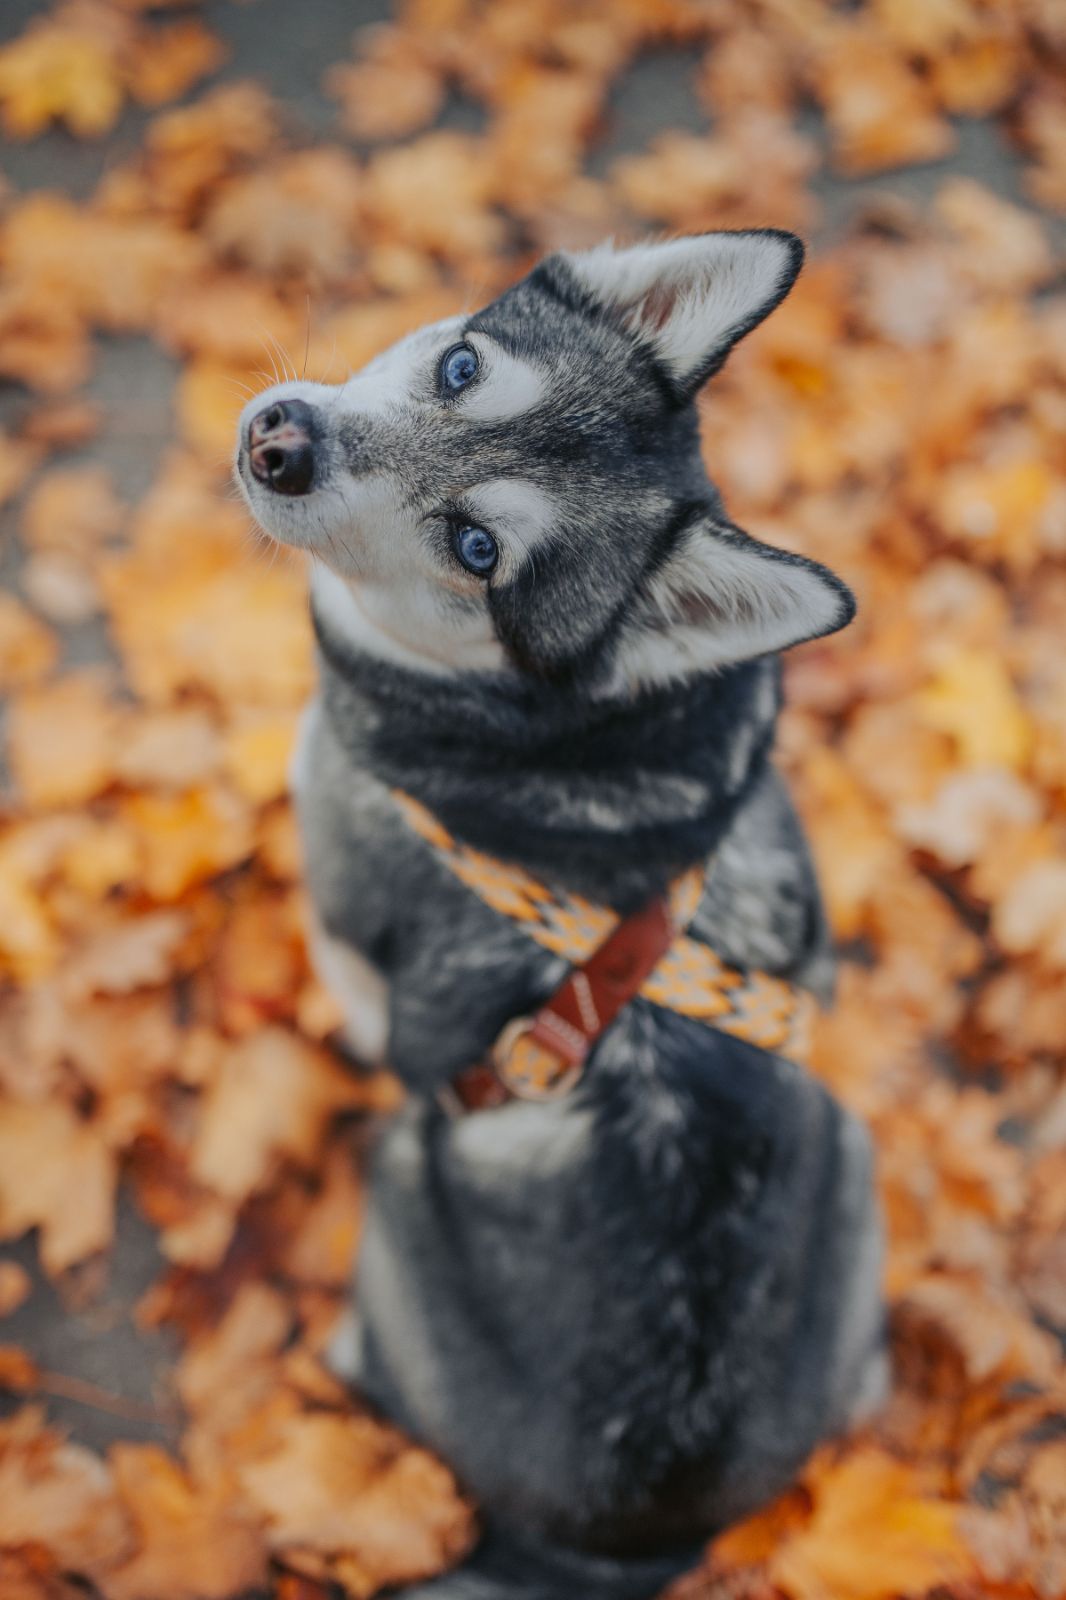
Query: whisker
(265, 342)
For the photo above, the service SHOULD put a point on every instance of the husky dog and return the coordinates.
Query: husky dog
(624, 1316)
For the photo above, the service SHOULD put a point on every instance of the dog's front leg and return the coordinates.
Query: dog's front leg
(359, 989)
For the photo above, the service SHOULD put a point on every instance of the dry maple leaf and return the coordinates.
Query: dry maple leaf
(186, 838)
(172, 748)
(27, 648)
(879, 111)
(58, 1495)
(193, 1541)
(875, 1533)
(300, 217)
(57, 1175)
(973, 701)
(164, 64)
(391, 90)
(74, 510)
(15, 1287)
(61, 587)
(435, 193)
(18, 457)
(19, 1373)
(127, 955)
(348, 1487)
(1031, 916)
(989, 1333)
(64, 67)
(258, 748)
(191, 608)
(272, 1097)
(61, 740)
(111, 269)
(252, 1332)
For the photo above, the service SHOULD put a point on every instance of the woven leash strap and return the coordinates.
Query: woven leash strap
(689, 979)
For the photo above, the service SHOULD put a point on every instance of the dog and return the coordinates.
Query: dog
(627, 1312)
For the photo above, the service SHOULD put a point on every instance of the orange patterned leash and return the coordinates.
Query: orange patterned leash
(689, 977)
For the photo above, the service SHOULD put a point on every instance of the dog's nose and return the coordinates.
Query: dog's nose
(281, 446)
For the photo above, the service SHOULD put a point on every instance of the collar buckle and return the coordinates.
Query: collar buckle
(532, 1067)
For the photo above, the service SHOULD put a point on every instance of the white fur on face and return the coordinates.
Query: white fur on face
(412, 629)
(520, 514)
(691, 298)
(505, 387)
(383, 583)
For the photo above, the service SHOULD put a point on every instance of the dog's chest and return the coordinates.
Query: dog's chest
(427, 972)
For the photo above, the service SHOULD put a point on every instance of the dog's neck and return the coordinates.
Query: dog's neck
(608, 799)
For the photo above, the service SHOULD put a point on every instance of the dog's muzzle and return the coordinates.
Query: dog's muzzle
(281, 452)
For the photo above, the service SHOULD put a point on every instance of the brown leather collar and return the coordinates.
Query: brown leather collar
(543, 1056)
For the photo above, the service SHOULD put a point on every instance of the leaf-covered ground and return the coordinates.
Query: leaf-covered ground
(164, 1060)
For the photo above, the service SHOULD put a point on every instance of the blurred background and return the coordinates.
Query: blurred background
(198, 197)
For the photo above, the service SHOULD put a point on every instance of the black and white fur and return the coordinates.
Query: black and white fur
(627, 1316)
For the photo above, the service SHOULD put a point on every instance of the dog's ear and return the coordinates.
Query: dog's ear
(691, 299)
(721, 597)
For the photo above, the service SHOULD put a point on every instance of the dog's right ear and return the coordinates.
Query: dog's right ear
(690, 299)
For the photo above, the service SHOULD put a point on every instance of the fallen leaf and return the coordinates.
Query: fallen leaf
(15, 1287)
(60, 740)
(874, 1534)
(193, 1541)
(56, 1174)
(350, 1488)
(273, 1096)
(972, 700)
(28, 649)
(58, 1495)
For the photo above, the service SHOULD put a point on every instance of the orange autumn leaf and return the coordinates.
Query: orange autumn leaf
(57, 1175)
(973, 701)
(74, 510)
(186, 838)
(192, 1541)
(27, 648)
(19, 1373)
(61, 740)
(58, 1495)
(879, 111)
(273, 1096)
(128, 955)
(1031, 915)
(348, 1487)
(108, 269)
(389, 91)
(191, 606)
(61, 69)
(15, 1287)
(875, 1533)
(257, 754)
(163, 64)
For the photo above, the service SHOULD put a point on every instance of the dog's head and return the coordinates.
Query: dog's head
(522, 488)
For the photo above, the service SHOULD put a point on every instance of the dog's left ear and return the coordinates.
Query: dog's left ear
(692, 299)
(721, 597)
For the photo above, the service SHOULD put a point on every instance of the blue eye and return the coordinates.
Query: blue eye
(458, 368)
(477, 550)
